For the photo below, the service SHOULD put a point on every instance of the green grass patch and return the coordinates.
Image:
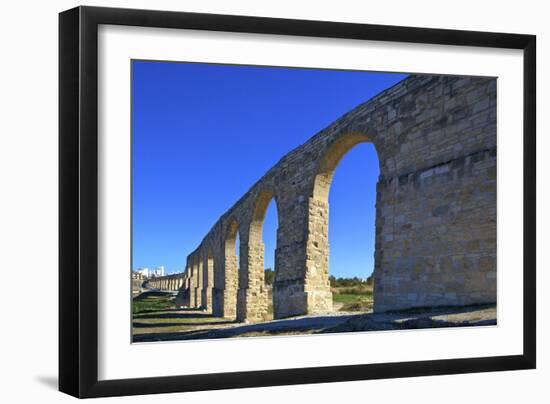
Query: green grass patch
(353, 301)
(345, 298)
(152, 301)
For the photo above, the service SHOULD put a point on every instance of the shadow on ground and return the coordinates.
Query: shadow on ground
(164, 314)
(478, 315)
(419, 318)
(298, 325)
(137, 324)
(152, 293)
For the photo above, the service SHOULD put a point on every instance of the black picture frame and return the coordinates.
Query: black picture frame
(78, 201)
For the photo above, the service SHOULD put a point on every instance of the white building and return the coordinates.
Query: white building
(157, 272)
(143, 271)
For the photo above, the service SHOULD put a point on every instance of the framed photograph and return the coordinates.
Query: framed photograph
(249, 201)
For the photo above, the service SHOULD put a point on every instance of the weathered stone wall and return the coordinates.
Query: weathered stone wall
(435, 212)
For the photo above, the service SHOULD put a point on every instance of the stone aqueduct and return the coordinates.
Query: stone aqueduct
(169, 282)
(435, 240)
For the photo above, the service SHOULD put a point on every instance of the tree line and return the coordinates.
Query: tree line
(334, 282)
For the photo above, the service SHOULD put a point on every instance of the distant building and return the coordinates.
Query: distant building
(157, 272)
(143, 271)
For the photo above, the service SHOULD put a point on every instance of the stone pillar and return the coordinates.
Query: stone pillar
(289, 297)
(192, 289)
(217, 290)
(208, 281)
(225, 282)
(199, 283)
(252, 297)
(230, 290)
(317, 285)
(187, 287)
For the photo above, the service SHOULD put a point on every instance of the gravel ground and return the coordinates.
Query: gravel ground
(480, 315)
(420, 318)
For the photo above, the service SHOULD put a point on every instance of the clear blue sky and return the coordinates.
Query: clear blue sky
(203, 134)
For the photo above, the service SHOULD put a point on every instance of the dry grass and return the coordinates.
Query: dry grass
(353, 298)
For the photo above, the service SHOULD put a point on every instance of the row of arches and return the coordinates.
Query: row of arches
(172, 282)
(435, 138)
(226, 274)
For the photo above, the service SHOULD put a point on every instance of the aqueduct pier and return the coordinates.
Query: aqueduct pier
(435, 241)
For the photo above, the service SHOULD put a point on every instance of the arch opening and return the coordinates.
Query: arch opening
(342, 238)
(330, 161)
(263, 245)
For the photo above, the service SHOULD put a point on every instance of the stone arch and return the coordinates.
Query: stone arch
(329, 161)
(319, 295)
(252, 298)
(260, 208)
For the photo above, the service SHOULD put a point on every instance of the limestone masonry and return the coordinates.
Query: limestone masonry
(435, 210)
